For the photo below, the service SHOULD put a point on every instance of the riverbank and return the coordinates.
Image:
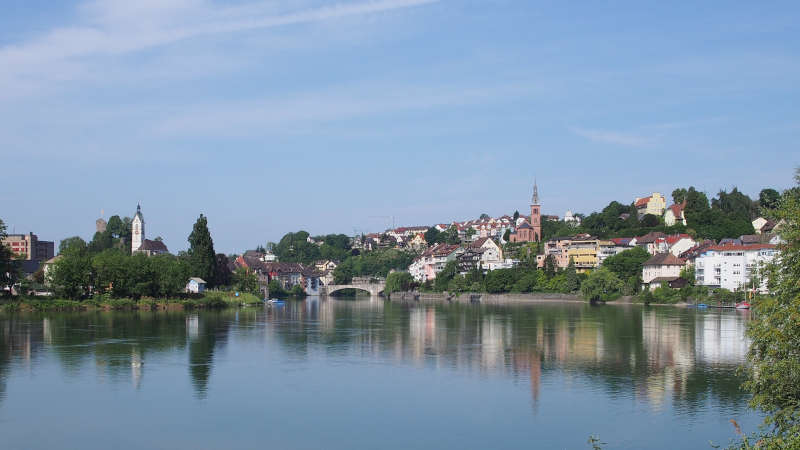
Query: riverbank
(213, 300)
(483, 298)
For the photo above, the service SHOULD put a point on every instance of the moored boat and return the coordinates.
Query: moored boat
(743, 305)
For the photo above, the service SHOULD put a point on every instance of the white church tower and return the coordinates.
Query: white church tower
(137, 230)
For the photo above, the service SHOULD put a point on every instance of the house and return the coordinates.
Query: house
(733, 266)
(324, 271)
(418, 242)
(608, 248)
(557, 248)
(762, 225)
(661, 266)
(672, 282)
(679, 243)
(432, 261)
(654, 242)
(196, 285)
(674, 215)
(654, 204)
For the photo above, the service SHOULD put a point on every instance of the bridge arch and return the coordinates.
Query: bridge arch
(374, 289)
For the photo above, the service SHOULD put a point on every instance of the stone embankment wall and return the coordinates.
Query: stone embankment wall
(487, 299)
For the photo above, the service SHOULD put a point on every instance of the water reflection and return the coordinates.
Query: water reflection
(657, 355)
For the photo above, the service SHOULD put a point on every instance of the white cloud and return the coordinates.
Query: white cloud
(613, 137)
(120, 26)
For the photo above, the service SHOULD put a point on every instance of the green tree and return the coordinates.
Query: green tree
(202, 258)
(245, 280)
(500, 280)
(774, 360)
(71, 274)
(507, 235)
(628, 263)
(70, 241)
(449, 236)
(398, 282)
(572, 283)
(432, 236)
(223, 273)
(602, 284)
(115, 226)
(768, 199)
(9, 267)
(442, 280)
(650, 220)
(516, 215)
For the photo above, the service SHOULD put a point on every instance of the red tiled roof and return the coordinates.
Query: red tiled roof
(642, 202)
(673, 238)
(734, 247)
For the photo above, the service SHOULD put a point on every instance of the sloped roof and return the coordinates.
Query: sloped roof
(153, 246)
(665, 259)
(197, 280)
(650, 237)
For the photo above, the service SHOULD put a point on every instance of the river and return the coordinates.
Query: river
(325, 373)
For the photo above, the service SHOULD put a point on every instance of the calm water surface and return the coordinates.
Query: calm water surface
(372, 374)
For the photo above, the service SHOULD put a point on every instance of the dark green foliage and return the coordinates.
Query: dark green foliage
(70, 241)
(571, 281)
(500, 280)
(202, 258)
(223, 273)
(768, 199)
(627, 264)
(245, 280)
(442, 280)
(449, 236)
(377, 263)
(649, 220)
(516, 215)
(398, 282)
(774, 369)
(71, 274)
(294, 247)
(432, 236)
(507, 235)
(275, 289)
(9, 267)
(602, 284)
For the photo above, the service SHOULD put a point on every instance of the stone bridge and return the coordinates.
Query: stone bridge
(374, 288)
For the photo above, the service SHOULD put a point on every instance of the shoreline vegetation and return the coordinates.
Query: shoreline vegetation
(209, 300)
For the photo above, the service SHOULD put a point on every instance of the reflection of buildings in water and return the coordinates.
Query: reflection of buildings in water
(720, 338)
(136, 367)
(193, 326)
(670, 358)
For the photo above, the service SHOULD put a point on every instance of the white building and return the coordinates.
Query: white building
(569, 217)
(662, 267)
(196, 285)
(732, 266)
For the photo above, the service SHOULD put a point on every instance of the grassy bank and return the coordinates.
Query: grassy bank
(211, 300)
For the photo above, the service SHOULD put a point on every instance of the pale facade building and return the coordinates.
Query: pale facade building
(29, 247)
(663, 266)
(732, 267)
(138, 241)
(654, 204)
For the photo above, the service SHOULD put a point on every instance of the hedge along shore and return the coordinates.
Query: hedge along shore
(127, 304)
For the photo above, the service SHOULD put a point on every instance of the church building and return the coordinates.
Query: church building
(138, 241)
(530, 230)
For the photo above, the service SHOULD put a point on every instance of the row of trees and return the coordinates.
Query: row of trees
(81, 271)
(376, 263)
(295, 247)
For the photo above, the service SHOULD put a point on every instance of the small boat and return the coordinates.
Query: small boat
(275, 301)
(743, 305)
(702, 305)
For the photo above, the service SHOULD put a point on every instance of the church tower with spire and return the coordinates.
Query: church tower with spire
(536, 214)
(137, 229)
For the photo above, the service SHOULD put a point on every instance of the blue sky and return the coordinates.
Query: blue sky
(273, 116)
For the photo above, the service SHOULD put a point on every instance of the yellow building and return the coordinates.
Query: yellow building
(583, 253)
(654, 204)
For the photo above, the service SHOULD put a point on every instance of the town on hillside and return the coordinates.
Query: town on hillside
(718, 244)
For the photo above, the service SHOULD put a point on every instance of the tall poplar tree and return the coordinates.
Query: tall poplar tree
(202, 258)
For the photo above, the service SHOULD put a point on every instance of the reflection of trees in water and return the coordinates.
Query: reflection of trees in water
(213, 332)
(656, 354)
